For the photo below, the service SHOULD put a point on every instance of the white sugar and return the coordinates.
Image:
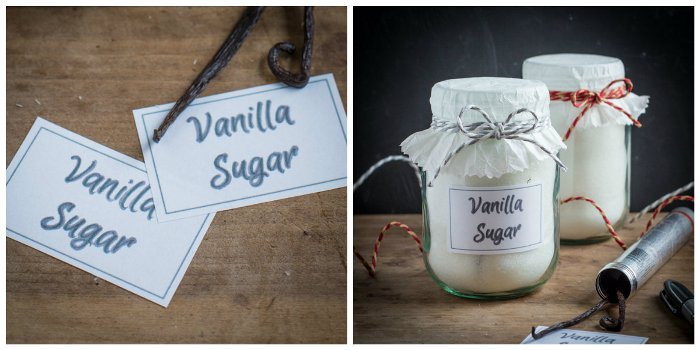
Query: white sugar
(597, 161)
(489, 273)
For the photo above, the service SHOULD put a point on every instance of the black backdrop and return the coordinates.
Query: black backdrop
(399, 53)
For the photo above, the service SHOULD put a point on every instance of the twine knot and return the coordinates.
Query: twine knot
(586, 98)
(491, 129)
(498, 130)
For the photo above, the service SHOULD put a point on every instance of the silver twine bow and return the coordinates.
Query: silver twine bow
(492, 130)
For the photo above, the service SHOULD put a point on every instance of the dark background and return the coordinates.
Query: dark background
(399, 53)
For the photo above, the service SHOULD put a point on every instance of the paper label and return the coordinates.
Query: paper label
(571, 336)
(246, 147)
(92, 207)
(495, 220)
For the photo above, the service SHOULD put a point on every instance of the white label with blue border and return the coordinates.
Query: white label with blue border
(246, 147)
(92, 207)
(495, 220)
(573, 336)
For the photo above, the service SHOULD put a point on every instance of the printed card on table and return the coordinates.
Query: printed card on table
(572, 336)
(92, 207)
(246, 147)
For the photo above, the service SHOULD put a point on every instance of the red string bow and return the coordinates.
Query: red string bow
(586, 98)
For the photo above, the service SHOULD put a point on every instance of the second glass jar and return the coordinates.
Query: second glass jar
(598, 147)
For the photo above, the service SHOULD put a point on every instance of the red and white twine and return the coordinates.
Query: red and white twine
(372, 269)
(608, 224)
(658, 202)
(661, 206)
(587, 99)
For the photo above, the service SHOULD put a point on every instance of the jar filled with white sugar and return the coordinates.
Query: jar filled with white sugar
(593, 108)
(490, 187)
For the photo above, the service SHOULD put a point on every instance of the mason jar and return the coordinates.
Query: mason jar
(490, 182)
(592, 89)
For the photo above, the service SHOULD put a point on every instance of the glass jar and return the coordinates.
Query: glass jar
(490, 210)
(598, 147)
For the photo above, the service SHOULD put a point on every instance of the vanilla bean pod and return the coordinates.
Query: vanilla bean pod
(607, 322)
(615, 324)
(229, 48)
(620, 279)
(296, 80)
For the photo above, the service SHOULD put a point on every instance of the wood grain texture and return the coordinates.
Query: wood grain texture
(268, 273)
(404, 305)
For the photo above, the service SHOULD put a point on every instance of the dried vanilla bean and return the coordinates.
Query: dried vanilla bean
(607, 322)
(296, 80)
(229, 48)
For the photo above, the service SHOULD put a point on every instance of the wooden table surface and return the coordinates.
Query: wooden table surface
(404, 305)
(268, 273)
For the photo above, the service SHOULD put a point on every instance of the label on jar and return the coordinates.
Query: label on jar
(495, 220)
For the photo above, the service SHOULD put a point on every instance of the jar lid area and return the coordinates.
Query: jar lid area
(498, 97)
(573, 60)
(495, 85)
(570, 71)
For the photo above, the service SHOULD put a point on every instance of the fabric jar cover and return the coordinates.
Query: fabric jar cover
(498, 97)
(571, 72)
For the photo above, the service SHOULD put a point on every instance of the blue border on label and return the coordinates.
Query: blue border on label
(155, 168)
(84, 263)
(476, 189)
